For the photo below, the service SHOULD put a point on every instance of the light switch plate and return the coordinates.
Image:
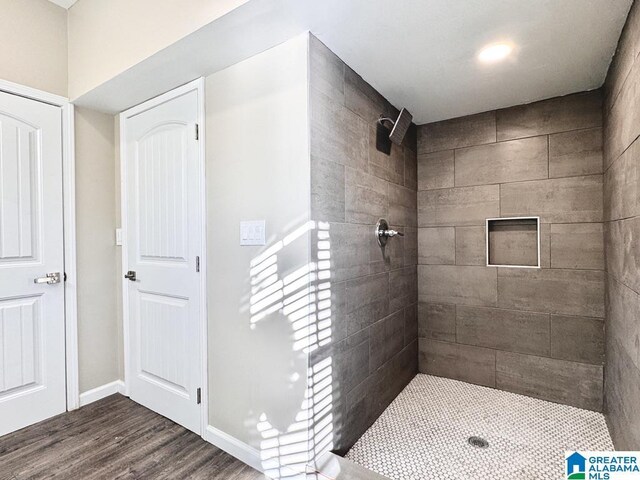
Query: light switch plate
(118, 236)
(252, 232)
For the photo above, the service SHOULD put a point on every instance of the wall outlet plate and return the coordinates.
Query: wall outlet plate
(253, 232)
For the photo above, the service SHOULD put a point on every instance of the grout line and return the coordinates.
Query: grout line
(514, 182)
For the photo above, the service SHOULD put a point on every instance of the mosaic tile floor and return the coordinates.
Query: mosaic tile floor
(423, 434)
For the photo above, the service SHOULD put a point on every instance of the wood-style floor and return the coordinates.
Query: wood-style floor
(114, 438)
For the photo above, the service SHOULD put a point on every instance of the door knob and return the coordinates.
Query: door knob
(130, 275)
(49, 278)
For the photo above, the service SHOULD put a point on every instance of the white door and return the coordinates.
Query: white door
(32, 335)
(163, 241)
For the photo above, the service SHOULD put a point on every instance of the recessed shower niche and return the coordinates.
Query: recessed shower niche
(513, 242)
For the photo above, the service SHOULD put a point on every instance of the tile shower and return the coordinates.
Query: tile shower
(427, 316)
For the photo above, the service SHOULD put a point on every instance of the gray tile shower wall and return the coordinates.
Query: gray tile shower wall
(622, 234)
(538, 332)
(373, 349)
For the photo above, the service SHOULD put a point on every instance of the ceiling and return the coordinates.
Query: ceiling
(420, 54)
(64, 3)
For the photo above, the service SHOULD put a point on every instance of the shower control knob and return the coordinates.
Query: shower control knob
(391, 233)
(383, 232)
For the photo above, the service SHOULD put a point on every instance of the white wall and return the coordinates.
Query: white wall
(257, 168)
(99, 354)
(106, 37)
(33, 36)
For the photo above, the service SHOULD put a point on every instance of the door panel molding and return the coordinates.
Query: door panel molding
(69, 228)
(198, 86)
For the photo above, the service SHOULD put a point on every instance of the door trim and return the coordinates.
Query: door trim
(198, 86)
(69, 229)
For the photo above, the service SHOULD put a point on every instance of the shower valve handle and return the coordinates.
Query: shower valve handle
(390, 233)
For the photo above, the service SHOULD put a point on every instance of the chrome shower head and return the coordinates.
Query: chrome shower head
(400, 125)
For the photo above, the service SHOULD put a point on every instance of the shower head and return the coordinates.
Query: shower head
(400, 125)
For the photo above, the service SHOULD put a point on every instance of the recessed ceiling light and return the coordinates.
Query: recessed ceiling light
(495, 52)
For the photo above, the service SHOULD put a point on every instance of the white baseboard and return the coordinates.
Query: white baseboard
(101, 392)
(247, 454)
(234, 447)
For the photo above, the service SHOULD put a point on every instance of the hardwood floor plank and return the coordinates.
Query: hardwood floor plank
(114, 438)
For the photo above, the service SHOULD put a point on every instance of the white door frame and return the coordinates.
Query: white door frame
(197, 85)
(69, 229)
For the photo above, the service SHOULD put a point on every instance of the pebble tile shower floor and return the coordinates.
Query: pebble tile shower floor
(423, 434)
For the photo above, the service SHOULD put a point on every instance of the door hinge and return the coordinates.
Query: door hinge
(199, 395)
(197, 264)
(197, 132)
(64, 276)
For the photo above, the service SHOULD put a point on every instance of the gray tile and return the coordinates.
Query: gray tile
(436, 170)
(351, 360)
(628, 48)
(391, 378)
(457, 284)
(622, 390)
(457, 132)
(367, 301)
(622, 185)
(622, 238)
(513, 242)
(557, 200)
(366, 197)
(326, 70)
(387, 339)
(623, 120)
(510, 330)
(458, 206)
(623, 312)
(327, 190)
(403, 288)
(437, 246)
(471, 246)
(388, 167)
(402, 206)
(335, 309)
(337, 134)
(352, 413)
(571, 112)
(579, 339)
(513, 161)
(569, 292)
(410, 246)
(362, 99)
(349, 247)
(411, 323)
(575, 153)
(460, 362)
(437, 321)
(550, 379)
(577, 245)
(410, 169)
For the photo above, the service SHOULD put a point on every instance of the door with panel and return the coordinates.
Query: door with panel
(32, 329)
(163, 242)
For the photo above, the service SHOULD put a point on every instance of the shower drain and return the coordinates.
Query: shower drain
(478, 442)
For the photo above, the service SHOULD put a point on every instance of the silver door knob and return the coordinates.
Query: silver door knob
(49, 278)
